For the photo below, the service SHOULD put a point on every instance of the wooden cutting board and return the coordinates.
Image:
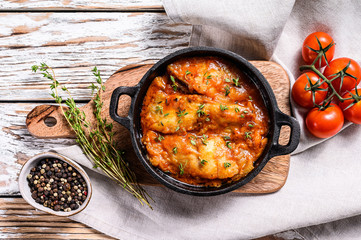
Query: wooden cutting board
(270, 179)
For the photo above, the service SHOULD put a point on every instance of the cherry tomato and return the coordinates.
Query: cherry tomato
(304, 97)
(311, 42)
(325, 123)
(338, 65)
(352, 113)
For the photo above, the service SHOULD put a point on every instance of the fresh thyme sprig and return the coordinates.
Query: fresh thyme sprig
(96, 141)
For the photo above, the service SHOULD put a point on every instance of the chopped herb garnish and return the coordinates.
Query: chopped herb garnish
(181, 169)
(166, 114)
(227, 80)
(188, 72)
(245, 112)
(207, 82)
(235, 81)
(242, 116)
(204, 139)
(181, 113)
(193, 142)
(175, 150)
(172, 79)
(247, 135)
(159, 109)
(160, 138)
(228, 144)
(200, 112)
(223, 107)
(236, 109)
(162, 124)
(250, 125)
(174, 86)
(226, 137)
(203, 162)
(177, 128)
(209, 77)
(227, 165)
(227, 88)
(205, 73)
(207, 119)
(250, 98)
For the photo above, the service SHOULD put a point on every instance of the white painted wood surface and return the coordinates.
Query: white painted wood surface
(17, 145)
(81, 5)
(73, 43)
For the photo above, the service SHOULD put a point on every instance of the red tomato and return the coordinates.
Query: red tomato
(303, 97)
(325, 123)
(338, 65)
(353, 113)
(311, 42)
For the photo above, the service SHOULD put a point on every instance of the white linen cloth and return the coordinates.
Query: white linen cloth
(323, 183)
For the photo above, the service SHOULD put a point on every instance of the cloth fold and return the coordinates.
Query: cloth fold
(323, 179)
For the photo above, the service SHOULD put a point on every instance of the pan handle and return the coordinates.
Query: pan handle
(113, 109)
(281, 120)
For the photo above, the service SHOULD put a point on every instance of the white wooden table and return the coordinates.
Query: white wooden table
(72, 36)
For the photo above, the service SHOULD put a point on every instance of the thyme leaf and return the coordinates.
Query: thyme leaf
(174, 85)
(247, 135)
(223, 107)
(227, 90)
(227, 165)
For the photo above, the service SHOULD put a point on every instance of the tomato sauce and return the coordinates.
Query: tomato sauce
(204, 122)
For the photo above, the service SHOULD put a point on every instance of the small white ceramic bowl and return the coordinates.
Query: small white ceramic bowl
(25, 189)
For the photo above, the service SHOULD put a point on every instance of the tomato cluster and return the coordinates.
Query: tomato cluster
(332, 94)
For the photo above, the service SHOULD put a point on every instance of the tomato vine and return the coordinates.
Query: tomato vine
(332, 93)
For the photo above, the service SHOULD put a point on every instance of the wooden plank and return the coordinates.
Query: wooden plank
(18, 226)
(32, 218)
(81, 5)
(39, 224)
(52, 236)
(74, 43)
(24, 224)
(48, 230)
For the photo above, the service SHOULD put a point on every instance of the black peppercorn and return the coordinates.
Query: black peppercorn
(57, 185)
(57, 208)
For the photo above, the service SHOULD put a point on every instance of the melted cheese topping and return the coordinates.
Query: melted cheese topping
(203, 122)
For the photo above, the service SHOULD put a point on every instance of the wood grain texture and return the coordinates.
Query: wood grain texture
(19, 220)
(271, 179)
(79, 5)
(74, 43)
(17, 145)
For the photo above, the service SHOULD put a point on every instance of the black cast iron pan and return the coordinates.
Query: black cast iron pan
(277, 120)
